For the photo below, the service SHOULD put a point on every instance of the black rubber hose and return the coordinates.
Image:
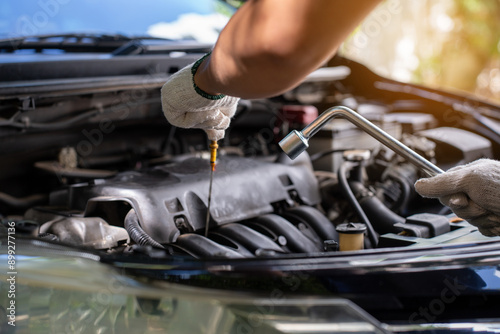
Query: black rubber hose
(323, 154)
(136, 233)
(383, 218)
(403, 200)
(346, 189)
(23, 202)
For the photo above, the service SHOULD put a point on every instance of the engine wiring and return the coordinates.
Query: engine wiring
(26, 124)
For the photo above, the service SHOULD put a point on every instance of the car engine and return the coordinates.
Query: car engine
(102, 170)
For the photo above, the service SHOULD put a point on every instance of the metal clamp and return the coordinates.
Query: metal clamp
(297, 141)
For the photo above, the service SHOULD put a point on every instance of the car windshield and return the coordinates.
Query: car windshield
(188, 19)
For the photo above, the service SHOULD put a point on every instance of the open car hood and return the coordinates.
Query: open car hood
(95, 184)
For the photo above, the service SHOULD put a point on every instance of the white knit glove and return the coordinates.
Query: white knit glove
(472, 191)
(186, 107)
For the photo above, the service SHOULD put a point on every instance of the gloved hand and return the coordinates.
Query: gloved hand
(472, 191)
(186, 107)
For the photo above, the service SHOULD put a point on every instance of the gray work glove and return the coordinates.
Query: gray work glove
(186, 107)
(472, 191)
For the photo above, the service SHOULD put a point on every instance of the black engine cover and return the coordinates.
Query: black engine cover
(172, 197)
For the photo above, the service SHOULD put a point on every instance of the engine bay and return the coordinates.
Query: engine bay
(104, 171)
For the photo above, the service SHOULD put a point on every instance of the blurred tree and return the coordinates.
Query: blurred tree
(471, 46)
(452, 44)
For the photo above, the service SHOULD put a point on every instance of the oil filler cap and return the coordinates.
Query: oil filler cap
(351, 228)
(351, 236)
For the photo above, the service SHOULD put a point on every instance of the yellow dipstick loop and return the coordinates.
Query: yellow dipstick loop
(213, 153)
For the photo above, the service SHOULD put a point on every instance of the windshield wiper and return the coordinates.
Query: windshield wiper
(154, 46)
(66, 42)
(117, 45)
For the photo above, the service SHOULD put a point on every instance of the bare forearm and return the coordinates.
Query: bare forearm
(269, 46)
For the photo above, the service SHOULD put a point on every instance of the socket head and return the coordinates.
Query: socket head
(294, 144)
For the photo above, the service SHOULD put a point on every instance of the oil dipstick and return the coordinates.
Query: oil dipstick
(213, 159)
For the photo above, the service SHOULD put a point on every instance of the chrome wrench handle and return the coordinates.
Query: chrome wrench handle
(297, 141)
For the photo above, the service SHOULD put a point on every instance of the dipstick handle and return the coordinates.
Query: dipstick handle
(213, 153)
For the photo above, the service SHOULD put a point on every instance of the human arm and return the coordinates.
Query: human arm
(267, 47)
(270, 46)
